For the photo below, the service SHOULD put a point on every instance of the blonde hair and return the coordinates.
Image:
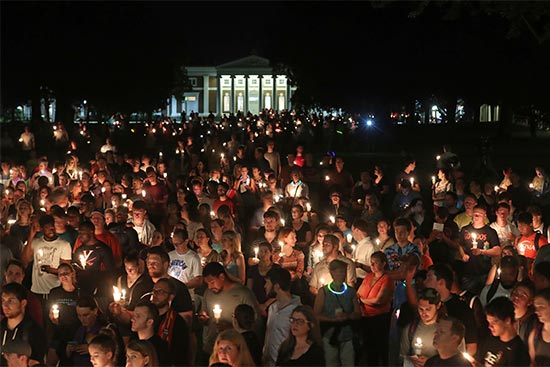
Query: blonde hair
(233, 336)
(235, 241)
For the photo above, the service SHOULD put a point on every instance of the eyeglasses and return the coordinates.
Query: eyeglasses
(63, 274)
(160, 291)
(299, 322)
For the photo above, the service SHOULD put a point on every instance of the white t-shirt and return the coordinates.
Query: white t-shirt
(504, 232)
(363, 251)
(184, 267)
(48, 253)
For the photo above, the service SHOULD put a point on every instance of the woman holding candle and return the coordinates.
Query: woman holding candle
(258, 272)
(304, 346)
(231, 349)
(302, 228)
(292, 259)
(384, 239)
(315, 249)
(441, 187)
(232, 257)
(204, 248)
(62, 306)
(375, 298)
(417, 337)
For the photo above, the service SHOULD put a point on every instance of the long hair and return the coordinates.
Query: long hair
(313, 336)
(235, 242)
(146, 349)
(233, 336)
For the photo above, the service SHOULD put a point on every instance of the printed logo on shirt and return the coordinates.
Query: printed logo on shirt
(492, 359)
(176, 268)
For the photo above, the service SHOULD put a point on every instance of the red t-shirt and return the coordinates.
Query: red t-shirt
(526, 245)
(368, 291)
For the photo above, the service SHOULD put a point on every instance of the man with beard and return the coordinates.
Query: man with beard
(225, 294)
(170, 326)
(277, 285)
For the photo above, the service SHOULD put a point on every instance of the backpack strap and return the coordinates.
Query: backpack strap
(492, 290)
(537, 239)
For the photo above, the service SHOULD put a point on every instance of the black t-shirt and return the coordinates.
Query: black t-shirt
(100, 267)
(182, 301)
(313, 357)
(487, 238)
(29, 331)
(68, 320)
(161, 347)
(494, 352)
(460, 310)
(455, 361)
(179, 348)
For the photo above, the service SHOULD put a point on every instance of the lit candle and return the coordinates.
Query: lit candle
(397, 313)
(217, 312)
(222, 155)
(418, 346)
(55, 311)
(377, 242)
(468, 357)
(160, 155)
(433, 180)
(282, 222)
(165, 175)
(437, 157)
(116, 294)
(20, 140)
(212, 214)
(531, 186)
(327, 178)
(474, 238)
(103, 190)
(412, 181)
(143, 193)
(322, 281)
(42, 202)
(498, 273)
(113, 203)
(349, 237)
(353, 247)
(256, 249)
(80, 175)
(332, 219)
(177, 151)
(308, 207)
(496, 188)
(124, 196)
(11, 221)
(360, 201)
(282, 244)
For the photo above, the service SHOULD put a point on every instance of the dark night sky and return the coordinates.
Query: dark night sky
(348, 53)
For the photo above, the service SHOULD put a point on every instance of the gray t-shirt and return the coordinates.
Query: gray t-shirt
(425, 333)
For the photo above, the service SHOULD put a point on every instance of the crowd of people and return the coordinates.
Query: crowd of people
(213, 248)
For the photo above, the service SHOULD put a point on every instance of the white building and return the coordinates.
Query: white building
(247, 84)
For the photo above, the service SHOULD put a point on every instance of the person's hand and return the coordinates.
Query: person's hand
(476, 251)
(115, 309)
(466, 258)
(419, 361)
(70, 349)
(54, 320)
(203, 317)
(81, 349)
(253, 261)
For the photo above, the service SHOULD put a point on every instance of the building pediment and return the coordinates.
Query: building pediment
(249, 62)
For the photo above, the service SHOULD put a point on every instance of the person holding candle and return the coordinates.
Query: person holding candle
(291, 259)
(501, 280)
(336, 307)
(47, 252)
(504, 347)
(302, 228)
(232, 257)
(227, 295)
(441, 187)
(528, 242)
(448, 336)
(205, 251)
(481, 245)
(257, 274)
(141, 224)
(315, 252)
(363, 249)
(296, 188)
(416, 346)
(63, 298)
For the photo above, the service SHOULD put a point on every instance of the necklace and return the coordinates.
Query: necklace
(329, 286)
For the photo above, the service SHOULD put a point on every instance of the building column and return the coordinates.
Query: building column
(274, 98)
(218, 93)
(287, 95)
(261, 97)
(245, 105)
(205, 99)
(232, 109)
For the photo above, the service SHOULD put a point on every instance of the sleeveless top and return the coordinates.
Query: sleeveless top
(335, 301)
(542, 349)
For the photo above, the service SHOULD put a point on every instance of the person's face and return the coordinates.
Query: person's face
(244, 171)
(99, 357)
(469, 203)
(227, 352)
(479, 218)
(339, 163)
(521, 298)
(443, 337)
(138, 215)
(542, 309)
(377, 265)
(197, 190)
(161, 295)
(221, 191)
(73, 220)
(525, 228)
(418, 207)
(401, 233)
(155, 266)
(49, 231)
(131, 268)
(328, 247)
(13, 359)
(86, 315)
(508, 276)
(14, 274)
(321, 236)
(335, 199)
(296, 213)
(290, 239)
(382, 227)
(24, 210)
(295, 177)
(11, 306)
(136, 359)
(109, 218)
(270, 224)
(431, 280)
(502, 213)
(496, 325)
(66, 276)
(215, 284)
(427, 311)
(97, 220)
(139, 319)
(216, 229)
(340, 223)
(299, 325)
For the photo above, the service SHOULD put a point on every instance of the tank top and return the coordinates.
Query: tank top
(542, 349)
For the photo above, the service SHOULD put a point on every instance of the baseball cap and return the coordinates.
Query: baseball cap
(18, 347)
(98, 211)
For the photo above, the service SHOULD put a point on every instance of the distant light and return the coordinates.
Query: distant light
(434, 108)
(85, 102)
(369, 122)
